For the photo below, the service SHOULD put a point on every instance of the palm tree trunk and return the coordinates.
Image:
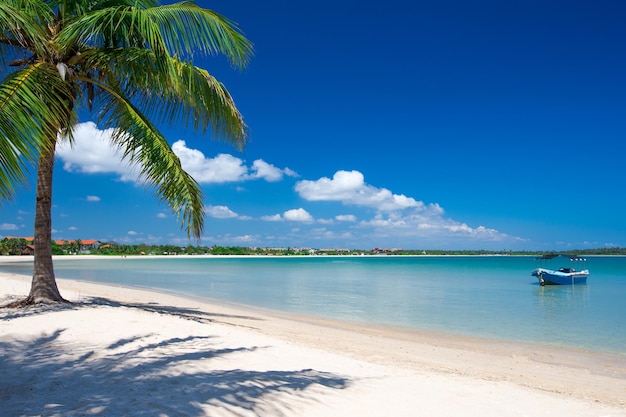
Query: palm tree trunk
(44, 287)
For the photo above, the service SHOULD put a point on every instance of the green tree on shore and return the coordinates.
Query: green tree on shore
(128, 62)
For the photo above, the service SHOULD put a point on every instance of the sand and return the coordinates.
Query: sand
(126, 352)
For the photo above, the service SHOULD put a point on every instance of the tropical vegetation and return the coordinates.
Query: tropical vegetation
(19, 246)
(129, 64)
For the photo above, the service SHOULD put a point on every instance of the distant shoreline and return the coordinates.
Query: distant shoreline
(30, 258)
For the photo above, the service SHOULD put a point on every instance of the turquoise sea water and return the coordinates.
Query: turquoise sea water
(492, 297)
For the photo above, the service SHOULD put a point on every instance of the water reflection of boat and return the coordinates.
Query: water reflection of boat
(564, 275)
(557, 307)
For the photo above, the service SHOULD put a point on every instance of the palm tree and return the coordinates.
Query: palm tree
(126, 61)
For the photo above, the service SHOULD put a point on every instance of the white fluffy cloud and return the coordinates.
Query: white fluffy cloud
(220, 212)
(397, 216)
(92, 152)
(264, 170)
(349, 188)
(345, 218)
(428, 225)
(293, 215)
(222, 168)
(93, 198)
(8, 226)
(268, 172)
(272, 218)
(298, 215)
(225, 167)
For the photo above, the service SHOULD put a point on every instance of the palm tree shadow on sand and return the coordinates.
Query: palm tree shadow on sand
(7, 312)
(49, 377)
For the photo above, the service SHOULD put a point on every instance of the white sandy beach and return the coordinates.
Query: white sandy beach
(126, 352)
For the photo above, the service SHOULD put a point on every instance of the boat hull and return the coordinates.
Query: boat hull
(550, 277)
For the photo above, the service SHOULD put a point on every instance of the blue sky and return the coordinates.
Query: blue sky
(425, 125)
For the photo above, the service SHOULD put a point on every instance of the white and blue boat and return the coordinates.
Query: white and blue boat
(564, 275)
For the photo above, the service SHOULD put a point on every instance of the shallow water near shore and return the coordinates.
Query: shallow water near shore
(483, 296)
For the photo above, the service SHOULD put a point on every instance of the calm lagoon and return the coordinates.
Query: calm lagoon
(484, 296)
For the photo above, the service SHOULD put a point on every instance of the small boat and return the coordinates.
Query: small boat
(564, 275)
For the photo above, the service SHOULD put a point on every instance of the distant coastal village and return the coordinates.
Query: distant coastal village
(13, 245)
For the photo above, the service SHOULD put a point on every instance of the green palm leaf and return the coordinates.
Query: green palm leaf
(144, 146)
(24, 26)
(31, 110)
(181, 30)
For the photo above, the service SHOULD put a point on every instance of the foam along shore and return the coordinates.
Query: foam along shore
(120, 351)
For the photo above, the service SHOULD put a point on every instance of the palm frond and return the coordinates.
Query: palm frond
(33, 10)
(24, 24)
(80, 7)
(32, 109)
(188, 29)
(183, 93)
(180, 29)
(145, 147)
(205, 102)
(12, 167)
